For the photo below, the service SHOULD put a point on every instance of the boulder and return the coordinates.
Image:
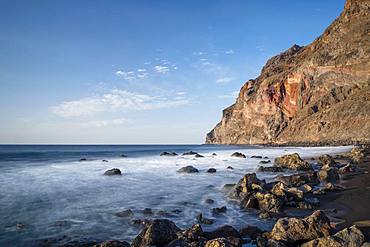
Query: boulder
(305, 188)
(125, 213)
(295, 231)
(327, 160)
(214, 154)
(190, 153)
(113, 172)
(168, 154)
(83, 159)
(269, 169)
(211, 170)
(268, 202)
(204, 220)
(239, 155)
(244, 186)
(188, 169)
(159, 233)
(209, 201)
(328, 174)
(230, 168)
(220, 210)
(113, 243)
(348, 237)
(194, 233)
(123, 155)
(225, 231)
(218, 242)
(104, 161)
(296, 180)
(251, 231)
(265, 161)
(347, 168)
(292, 161)
(199, 156)
(256, 156)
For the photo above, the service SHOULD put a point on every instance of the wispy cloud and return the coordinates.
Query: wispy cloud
(115, 100)
(229, 52)
(199, 53)
(105, 123)
(127, 75)
(161, 69)
(224, 80)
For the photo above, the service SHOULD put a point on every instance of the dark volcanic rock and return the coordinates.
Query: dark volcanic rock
(270, 169)
(238, 155)
(188, 169)
(211, 170)
(351, 236)
(294, 230)
(168, 154)
(113, 172)
(292, 161)
(158, 233)
(190, 153)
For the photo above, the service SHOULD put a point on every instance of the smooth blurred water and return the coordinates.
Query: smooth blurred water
(55, 196)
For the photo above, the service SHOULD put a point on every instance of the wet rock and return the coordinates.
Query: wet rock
(147, 211)
(305, 188)
(251, 231)
(113, 172)
(199, 156)
(265, 161)
(83, 159)
(168, 154)
(204, 220)
(319, 191)
(19, 226)
(269, 169)
(347, 168)
(140, 222)
(351, 236)
(188, 169)
(211, 170)
(220, 210)
(114, 243)
(297, 180)
(292, 161)
(104, 161)
(214, 154)
(209, 201)
(244, 186)
(192, 234)
(190, 153)
(163, 213)
(230, 168)
(329, 187)
(256, 156)
(125, 213)
(265, 242)
(238, 155)
(328, 174)
(123, 155)
(327, 160)
(268, 202)
(294, 230)
(176, 211)
(228, 187)
(218, 242)
(225, 231)
(357, 154)
(159, 232)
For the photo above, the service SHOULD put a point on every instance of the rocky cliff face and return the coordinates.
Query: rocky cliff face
(318, 94)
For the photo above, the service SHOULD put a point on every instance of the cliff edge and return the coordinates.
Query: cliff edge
(317, 94)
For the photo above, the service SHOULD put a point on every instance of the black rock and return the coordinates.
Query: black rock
(270, 169)
(104, 160)
(188, 169)
(168, 154)
(209, 201)
(238, 155)
(190, 153)
(230, 168)
(125, 213)
(256, 156)
(199, 156)
(211, 170)
(220, 210)
(83, 159)
(113, 172)
(123, 155)
(205, 221)
(265, 161)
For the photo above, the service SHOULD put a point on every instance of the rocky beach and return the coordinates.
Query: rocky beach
(323, 202)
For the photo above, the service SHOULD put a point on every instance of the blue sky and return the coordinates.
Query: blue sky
(138, 71)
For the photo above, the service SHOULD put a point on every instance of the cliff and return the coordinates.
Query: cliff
(317, 94)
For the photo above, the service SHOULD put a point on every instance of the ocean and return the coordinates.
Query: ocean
(46, 192)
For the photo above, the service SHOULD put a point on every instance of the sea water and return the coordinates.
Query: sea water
(50, 194)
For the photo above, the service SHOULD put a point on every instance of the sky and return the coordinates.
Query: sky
(139, 71)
